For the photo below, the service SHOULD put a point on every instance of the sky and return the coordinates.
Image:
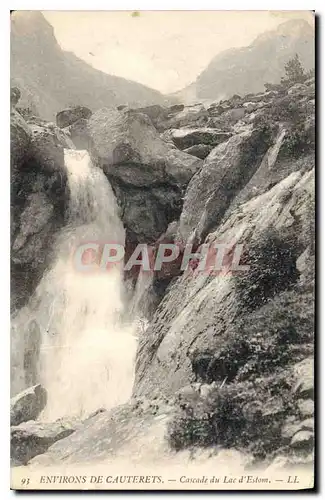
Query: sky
(165, 50)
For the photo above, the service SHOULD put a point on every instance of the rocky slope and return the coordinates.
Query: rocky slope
(227, 359)
(244, 70)
(51, 79)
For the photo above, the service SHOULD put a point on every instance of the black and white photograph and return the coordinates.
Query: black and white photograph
(162, 250)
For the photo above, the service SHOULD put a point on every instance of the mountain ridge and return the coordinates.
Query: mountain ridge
(244, 70)
(51, 79)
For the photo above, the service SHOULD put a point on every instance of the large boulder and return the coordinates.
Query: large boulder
(148, 175)
(113, 434)
(47, 146)
(186, 137)
(157, 114)
(30, 439)
(194, 115)
(27, 405)
(68, 116)
(129, 148)
(224, 173)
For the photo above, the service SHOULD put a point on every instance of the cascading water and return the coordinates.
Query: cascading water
(87, 350)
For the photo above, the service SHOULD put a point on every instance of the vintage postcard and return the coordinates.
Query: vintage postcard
(162, 250)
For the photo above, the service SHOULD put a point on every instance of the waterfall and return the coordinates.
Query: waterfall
(87, 349)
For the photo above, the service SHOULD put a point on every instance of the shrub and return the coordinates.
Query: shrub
(26, 113)
(243, 415)
(272, 262)
(190, 426)
(276, 335)
(298, 141)
(294, 73)
(271, 337)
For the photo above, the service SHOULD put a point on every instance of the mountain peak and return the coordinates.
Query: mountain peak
(245, 70)
(28, 22)
(51, 79)
(295, 27)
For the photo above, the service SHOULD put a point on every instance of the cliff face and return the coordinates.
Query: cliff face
(51, 79)
(38, 201)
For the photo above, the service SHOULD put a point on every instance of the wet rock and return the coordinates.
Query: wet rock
(30, 439)
(68, 116)
(27, 405)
